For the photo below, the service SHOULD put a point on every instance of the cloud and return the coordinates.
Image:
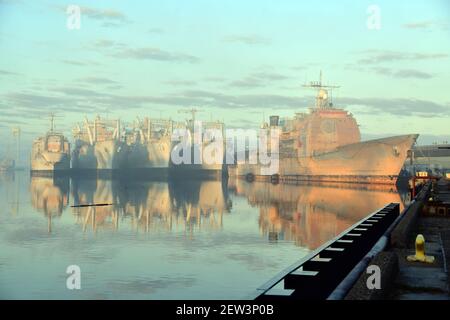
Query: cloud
(272, 76)
(258, 79)
(403, 73)
(79, 100)
(76, 98)
(409, 73)
(247, 83)
(7, 73)
(105, 15)
(272, 101)
(426, 25)
(108, 17)
(399, 106)
(247, 39)
(215, 79)
(110, 24)
(105, 43)
(75, 63)
(382, 56)
(180, 82)
(151, 53)
(119, 49)
(394, 106)
(31, 99)
(97, 80)
(38, 104)
(155, 31)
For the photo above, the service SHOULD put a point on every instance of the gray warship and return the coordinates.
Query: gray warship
(325, 145)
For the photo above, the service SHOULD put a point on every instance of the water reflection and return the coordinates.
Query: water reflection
(49, 196)
(147, 205)
(10, 192)
(198, 233)
(306, 215)
(310, 215)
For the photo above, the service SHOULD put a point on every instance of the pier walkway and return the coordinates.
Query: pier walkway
(423, 281)
(428, 215)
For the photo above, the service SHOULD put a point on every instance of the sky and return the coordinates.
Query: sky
(235, 61)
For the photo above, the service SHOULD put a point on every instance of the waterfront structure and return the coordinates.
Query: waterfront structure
(434, 158)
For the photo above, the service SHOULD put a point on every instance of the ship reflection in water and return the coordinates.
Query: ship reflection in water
(311, 215)
(164, 240)
(150, 205)
(307, 215)
(49, 196)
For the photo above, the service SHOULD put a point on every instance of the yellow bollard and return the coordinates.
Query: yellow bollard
(420, 252)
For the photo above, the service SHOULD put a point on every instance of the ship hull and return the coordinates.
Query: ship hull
(103, 158)
(215, 169)
(196, 171)
(373, 161)
(50, 164)
(148, 160)
(152, 155)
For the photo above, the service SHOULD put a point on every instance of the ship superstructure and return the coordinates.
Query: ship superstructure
(324, 145)
(149, 146)
(50, 154)
(204, 144)
(99, 146)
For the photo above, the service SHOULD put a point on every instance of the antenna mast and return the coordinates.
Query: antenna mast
(52, 122)
(322, 92)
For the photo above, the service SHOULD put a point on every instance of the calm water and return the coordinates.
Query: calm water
(159, 240)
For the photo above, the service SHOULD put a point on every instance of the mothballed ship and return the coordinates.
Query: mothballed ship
(149, 146)
(324, 146)
(99, 147)
(197, 149)
(50, 154)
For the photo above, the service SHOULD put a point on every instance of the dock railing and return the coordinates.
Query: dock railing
(318, 274)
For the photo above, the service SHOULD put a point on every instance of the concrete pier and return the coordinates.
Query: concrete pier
(428, 215)
(418, 280)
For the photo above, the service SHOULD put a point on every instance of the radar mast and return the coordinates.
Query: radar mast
(323, 99)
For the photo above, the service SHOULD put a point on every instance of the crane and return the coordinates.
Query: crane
(192, 111)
